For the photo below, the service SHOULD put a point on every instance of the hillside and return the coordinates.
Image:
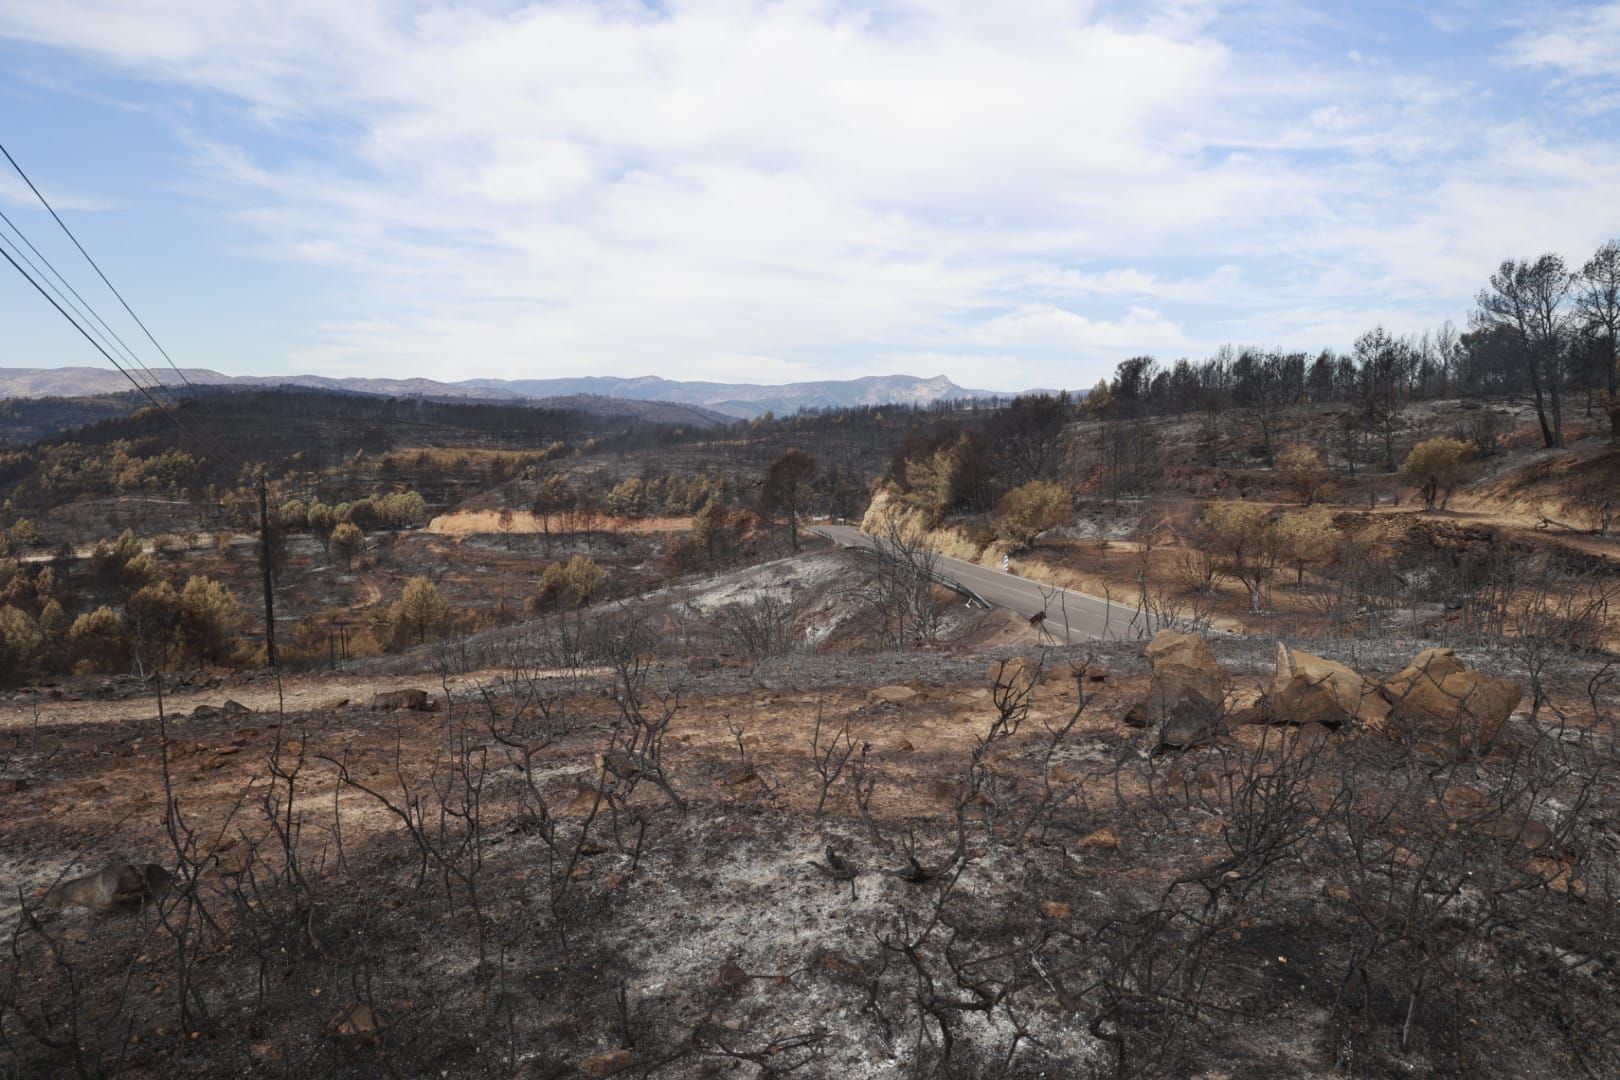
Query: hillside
(581, 761)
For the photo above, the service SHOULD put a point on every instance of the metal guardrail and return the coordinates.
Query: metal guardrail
(950, 583)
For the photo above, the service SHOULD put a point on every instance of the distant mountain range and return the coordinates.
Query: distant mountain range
(738, 400)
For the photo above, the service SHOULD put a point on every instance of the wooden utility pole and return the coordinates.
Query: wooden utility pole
(264, 560)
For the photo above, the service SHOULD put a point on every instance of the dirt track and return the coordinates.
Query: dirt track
(259, 693)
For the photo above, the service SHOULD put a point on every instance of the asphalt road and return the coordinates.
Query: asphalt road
(1070, 616)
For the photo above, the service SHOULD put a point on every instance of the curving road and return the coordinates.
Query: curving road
(1070, 616)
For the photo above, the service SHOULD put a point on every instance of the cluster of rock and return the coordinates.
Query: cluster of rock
(1435, 701)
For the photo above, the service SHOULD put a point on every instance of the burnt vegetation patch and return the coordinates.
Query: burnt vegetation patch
(619, 871)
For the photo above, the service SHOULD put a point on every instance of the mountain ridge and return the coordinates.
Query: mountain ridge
(737, 400)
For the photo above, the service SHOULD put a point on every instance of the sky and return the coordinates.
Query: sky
(1013, 194)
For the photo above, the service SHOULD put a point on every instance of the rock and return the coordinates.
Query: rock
(1186, 676)
(1103, 839)
(265, 1051)
(1249, 715)
(892, 695)
(205, 712)
(1308, 737)
(1062, 774)
(836, 963)
(357, 1021)
(401, 699)
(13, 785)
(1313, 690)
(335, 704)
(1192, 721)
(1460, 798)
(732, 977)
(1533, 834)
(1055, 909)
(619, 763)
(703, 663)
(1437, 697)
(119, 885)
(1017, 675)
(233, 708)
(601, 1065)
(1138, 715)
(1187, 659)
(1558, 874)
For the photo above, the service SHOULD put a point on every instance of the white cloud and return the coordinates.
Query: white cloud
(1042, 326)
(1580, 41)
(730, 188)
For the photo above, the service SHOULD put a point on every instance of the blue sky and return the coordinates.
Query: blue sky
(1013, 194)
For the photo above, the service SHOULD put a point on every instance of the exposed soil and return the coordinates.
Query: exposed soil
(474, 522)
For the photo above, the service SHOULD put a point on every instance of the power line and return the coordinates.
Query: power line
(263, 472)
(201, 443)
(83, 308)
(46, 203)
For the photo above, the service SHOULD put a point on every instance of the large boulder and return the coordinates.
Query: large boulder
(1185, 675)
(1438, 698)
(892, 695)
(1313, 690)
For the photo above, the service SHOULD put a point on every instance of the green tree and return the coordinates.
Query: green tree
(565, 586)
(420, 612)
(1307, 538)
(153, 614)
(628, 498)
(99, 642)
(53, 621)
(1437, 466)
(20, 641)
(707, 525)
(1029, 510)
(346, 542)
(210, 620)
(1244, 543)
(321, 520)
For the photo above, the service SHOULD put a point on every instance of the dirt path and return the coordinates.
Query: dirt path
(308, 691)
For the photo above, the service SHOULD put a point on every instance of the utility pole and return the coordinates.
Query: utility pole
(264, 560)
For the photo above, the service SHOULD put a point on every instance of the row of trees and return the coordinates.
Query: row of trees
(1539, 328)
